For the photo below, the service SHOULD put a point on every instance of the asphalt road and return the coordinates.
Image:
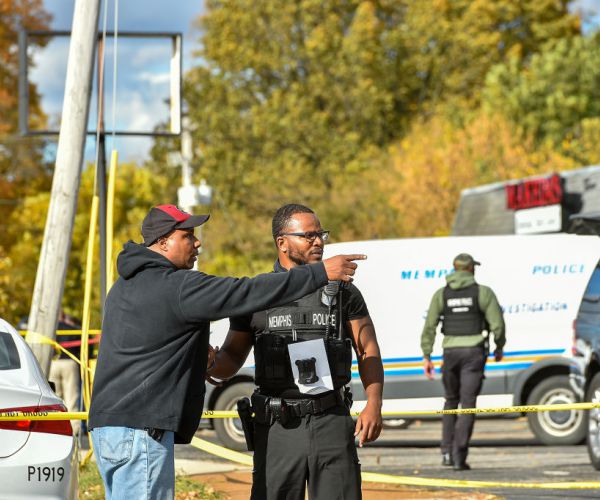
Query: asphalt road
(502, 450)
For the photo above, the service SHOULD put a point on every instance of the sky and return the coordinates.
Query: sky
(142, 65)
(143, 68)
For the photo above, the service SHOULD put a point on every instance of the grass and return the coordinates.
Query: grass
(91, 488)
(90, 482)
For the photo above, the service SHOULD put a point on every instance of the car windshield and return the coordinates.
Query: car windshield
(9, 356)
(587, 324)
(593, 287)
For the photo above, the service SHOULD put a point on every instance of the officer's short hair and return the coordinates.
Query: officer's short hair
(282, 217)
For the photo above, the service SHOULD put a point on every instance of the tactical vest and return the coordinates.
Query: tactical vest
(305, 319)
(462, 315)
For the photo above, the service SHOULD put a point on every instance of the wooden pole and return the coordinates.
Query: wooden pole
(56, 246)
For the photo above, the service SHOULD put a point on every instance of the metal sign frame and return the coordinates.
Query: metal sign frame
(175, 81)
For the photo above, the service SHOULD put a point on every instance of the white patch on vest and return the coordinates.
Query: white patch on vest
(281, 320)
(460, 309)
(460, 301)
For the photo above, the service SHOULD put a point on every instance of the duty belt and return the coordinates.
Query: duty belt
(268, 409)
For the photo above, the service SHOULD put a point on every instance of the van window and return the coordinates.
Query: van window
(9, 356)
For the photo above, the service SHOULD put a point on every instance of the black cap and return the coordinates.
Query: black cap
(463, 261)
(163, 219)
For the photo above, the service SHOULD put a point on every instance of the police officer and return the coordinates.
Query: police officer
(468, 311)
(303, 431)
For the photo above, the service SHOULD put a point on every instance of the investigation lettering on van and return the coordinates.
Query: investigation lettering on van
(558, 269)
(534, 307)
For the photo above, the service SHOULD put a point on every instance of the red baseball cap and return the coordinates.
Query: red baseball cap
(163, 219)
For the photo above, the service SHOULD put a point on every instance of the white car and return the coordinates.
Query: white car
(38, 459)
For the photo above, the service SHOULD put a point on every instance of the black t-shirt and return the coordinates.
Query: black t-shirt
(353, 307)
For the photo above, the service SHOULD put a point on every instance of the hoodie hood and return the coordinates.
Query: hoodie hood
(136, 257)
(460, 279)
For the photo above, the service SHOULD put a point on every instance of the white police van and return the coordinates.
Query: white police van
(539, 281)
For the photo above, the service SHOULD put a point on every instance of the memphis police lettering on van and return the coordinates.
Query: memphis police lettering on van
(539, 281)
(558, 269)
(415, 274)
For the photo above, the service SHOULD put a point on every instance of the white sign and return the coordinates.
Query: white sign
(539, 220)
(315, 350)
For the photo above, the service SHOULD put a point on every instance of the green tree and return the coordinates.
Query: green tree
(291, 98)
(137, 190)
(553, 95)
(453, 44)
(301, 100)
(438, 159)
(23, 169)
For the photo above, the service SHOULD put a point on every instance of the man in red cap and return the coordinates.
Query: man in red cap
(149, 383)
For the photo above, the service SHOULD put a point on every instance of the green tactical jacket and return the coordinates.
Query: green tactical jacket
(488, 303)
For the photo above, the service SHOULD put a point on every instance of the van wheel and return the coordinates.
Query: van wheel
(397, 423)
(229, 430)
(556, 427)
(593, 427)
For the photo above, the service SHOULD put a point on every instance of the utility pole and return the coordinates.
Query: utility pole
(188, 194)
(187, 202)
(101, 171)
(54, 255)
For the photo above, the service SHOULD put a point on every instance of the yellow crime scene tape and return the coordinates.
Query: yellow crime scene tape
(38, 338)
(82, 415)
(244, 459)
(372, 477)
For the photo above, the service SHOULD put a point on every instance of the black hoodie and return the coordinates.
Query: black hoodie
(153, 350)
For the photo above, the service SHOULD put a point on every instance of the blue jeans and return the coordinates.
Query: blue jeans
(133, 465)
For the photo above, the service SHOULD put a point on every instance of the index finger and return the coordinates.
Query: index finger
(356, 256)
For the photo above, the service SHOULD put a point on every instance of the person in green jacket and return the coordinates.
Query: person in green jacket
(469, 312)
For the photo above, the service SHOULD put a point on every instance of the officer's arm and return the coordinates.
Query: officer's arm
(495, 319)
(370, 369)
(428, 335)
(231, 357)
(433, 317)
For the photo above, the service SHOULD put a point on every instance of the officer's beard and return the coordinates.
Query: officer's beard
(302, 259)
(297, 259)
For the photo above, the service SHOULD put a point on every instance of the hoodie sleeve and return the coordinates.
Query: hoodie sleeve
(433, 318)
(203, 297)
(493, 315)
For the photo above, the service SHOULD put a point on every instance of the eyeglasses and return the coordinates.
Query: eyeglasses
(310, 236)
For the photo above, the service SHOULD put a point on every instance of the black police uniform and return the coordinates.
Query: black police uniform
(463, 367)
(298, 437)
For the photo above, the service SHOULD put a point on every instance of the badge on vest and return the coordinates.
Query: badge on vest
(310, 366)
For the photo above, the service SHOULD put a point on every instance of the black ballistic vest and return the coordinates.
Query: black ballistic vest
(305, 319)
(462, 315)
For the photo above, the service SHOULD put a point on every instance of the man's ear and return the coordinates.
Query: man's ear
(281, 243)
(163, 243)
